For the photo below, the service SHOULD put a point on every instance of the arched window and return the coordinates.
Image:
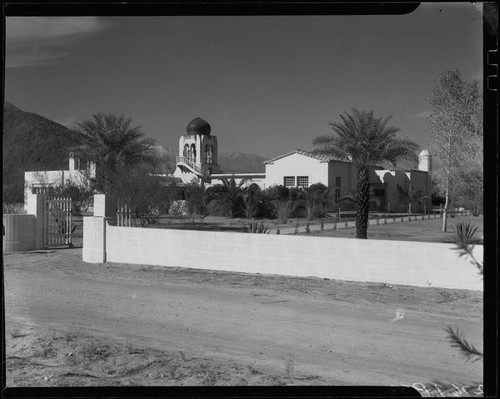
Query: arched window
(193, 153)
(211, 154)
(185, 153)
(207, 154)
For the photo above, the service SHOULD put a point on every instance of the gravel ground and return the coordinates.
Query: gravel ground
(69, 323)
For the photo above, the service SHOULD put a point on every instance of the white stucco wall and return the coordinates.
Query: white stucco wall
(296, 165)
(392, 262)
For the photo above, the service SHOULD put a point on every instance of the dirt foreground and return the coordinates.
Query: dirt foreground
(70, 323)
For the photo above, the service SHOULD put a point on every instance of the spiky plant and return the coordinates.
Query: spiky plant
(464, 234)
(255, 227)
(458, 340)
(465, 231)
(464, 240)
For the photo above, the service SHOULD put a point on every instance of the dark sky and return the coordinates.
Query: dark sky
(267, 85)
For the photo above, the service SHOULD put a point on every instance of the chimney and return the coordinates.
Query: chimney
(425, 161)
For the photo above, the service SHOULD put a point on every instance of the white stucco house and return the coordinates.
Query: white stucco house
(299, 168)
(78, 172)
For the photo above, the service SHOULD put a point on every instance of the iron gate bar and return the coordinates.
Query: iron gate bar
(58, 222)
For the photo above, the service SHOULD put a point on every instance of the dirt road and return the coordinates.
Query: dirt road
(240, 329)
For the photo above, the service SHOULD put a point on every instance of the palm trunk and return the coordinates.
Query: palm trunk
(362, 203)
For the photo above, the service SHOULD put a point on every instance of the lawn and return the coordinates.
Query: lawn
(421, 230)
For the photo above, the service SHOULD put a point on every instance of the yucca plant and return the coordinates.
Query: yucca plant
(458, 341)
(464, 234)
(464, 239)
(465, 231)
(255, 227)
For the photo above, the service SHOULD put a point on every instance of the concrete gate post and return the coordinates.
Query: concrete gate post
(94, 229)
(36, 206)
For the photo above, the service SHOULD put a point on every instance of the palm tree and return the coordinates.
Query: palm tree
(252, 198)
(231, 194)
(113, 144)
(312, 196)
(349, 195)
(365, 141)
(411, 196)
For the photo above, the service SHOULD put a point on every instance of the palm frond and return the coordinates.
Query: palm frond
(365, 140)
(458, 341)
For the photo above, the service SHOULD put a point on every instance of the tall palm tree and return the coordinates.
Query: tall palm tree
(113, 144)
(366, 142)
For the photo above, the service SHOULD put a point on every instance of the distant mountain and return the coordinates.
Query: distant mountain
(238, 162)
(167, 158)
(32, 142)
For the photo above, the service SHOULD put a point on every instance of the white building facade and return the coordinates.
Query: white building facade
(197, 162)
(78, 173)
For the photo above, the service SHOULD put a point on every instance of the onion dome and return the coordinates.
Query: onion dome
(198, 126)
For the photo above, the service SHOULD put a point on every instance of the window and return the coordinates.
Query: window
(289, 181)
(338, 184)
(303, 181)
(337, 194)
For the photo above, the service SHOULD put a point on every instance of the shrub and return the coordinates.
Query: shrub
(256, 228)
(465, 232)
(283, 210)
(216, 208)
(95, 351)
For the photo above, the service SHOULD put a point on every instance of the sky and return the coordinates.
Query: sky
(266, 84)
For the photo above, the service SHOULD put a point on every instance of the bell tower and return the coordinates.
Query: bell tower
(197, 152)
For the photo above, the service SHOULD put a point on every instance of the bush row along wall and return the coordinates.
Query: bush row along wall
(392, 262)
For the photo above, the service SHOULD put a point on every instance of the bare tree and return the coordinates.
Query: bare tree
(456, 129)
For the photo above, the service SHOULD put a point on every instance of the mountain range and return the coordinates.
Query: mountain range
(33, 142)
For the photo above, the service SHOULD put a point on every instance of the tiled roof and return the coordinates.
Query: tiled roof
(322, 158)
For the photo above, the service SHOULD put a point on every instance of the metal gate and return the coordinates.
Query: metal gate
(58, 222)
